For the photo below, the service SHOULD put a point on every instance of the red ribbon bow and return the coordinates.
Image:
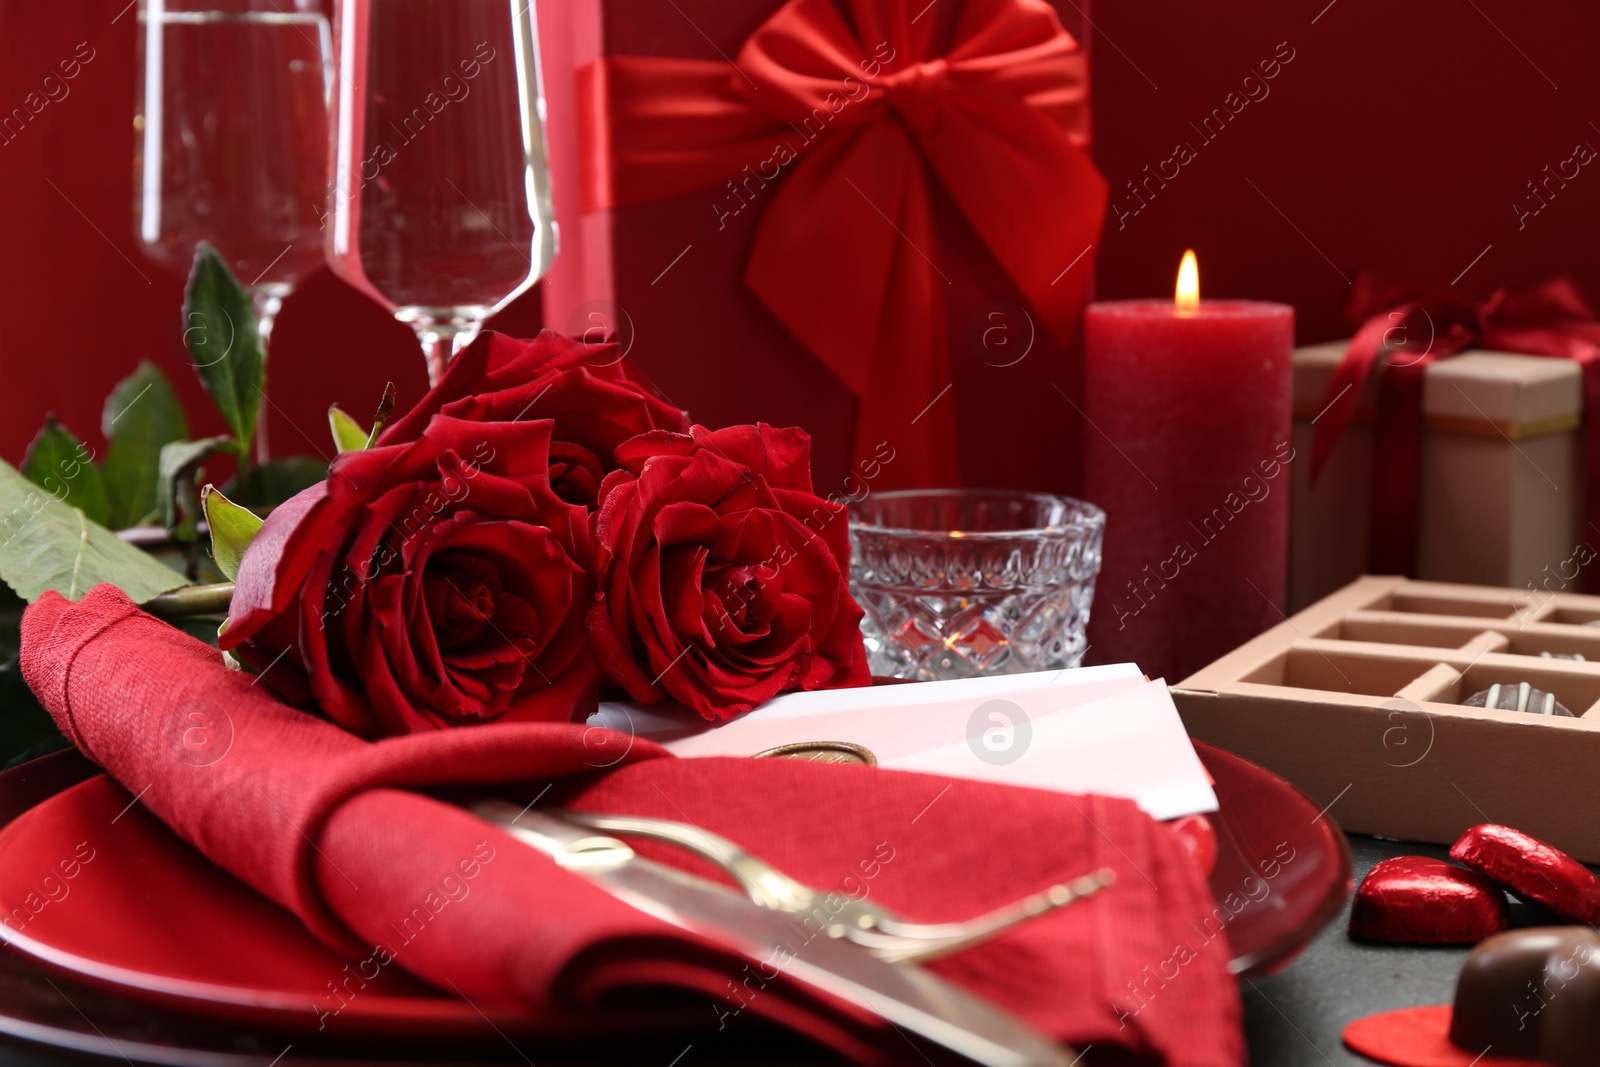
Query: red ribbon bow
(864, 115)
(1408, 331)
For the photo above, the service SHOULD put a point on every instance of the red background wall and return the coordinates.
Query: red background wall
(1397, 138)
(80, 304)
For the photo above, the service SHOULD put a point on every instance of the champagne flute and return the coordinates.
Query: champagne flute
(231, 143)
(440, 189)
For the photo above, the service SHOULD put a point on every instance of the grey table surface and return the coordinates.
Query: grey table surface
(1292, 1019)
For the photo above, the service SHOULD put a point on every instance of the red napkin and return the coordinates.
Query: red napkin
(328, 826)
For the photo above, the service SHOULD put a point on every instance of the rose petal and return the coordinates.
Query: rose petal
(274, 566)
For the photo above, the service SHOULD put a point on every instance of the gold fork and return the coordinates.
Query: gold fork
(869, 925)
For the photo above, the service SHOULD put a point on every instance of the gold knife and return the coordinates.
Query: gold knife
(905, 996)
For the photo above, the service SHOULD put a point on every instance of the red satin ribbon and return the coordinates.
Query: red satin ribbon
(1408, 331)
(845, 253)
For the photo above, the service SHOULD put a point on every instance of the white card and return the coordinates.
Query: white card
(1099, 730)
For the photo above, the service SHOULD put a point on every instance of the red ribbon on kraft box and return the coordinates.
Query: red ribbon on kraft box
(1549, 319)
(856, 121)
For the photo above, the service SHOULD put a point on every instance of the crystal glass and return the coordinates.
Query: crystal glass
(232, 139)
(440, 189)
(964, 582)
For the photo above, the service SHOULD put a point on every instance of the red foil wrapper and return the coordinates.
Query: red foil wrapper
(1424, 901)
(1532, 870)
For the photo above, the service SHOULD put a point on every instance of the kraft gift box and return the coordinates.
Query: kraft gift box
(1502, 476)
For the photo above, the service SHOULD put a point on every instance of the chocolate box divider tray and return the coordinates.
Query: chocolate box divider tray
(1355, 700)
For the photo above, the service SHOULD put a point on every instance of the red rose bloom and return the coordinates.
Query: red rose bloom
(595, 397)
(428, 583)
(724, 577)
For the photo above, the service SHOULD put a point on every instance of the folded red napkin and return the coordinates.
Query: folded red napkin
(330, 827)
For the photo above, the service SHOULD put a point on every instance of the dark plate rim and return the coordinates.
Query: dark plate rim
(1283, 950)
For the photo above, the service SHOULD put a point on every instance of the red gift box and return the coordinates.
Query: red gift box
(764, 259)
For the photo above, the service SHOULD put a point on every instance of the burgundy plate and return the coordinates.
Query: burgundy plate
(96, 886)
(1282, 869)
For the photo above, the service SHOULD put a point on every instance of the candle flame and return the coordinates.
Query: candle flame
(1188, 294)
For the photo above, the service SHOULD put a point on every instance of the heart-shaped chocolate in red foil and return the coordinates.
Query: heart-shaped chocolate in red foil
(1425, 901)
(1531, 869)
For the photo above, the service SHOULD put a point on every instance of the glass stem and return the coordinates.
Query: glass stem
(441, 341)
(267, 299)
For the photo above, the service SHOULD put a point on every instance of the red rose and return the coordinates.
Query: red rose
(427, 583)
(595, 397)
(724, 577)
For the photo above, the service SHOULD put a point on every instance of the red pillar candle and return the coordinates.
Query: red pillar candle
(1187, 449)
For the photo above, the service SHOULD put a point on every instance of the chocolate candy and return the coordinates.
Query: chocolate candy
(1532, 993)
(1520, 697)
(1532, 870)
(1425, 901)
(1524, 998)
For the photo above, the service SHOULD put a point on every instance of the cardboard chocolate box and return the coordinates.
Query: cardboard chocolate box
(1358, 701)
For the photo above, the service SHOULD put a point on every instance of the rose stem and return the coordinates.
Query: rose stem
(192, 600)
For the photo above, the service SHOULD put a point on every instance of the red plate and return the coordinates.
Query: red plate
(94, 885)
(1282, 866)
(97, 886)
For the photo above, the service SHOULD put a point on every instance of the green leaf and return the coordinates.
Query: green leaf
(222, 337)
(348, 436)
(64, 467)
(178, 463)
(276, 481)
(48, 544)
(141, 415)
(232, 529)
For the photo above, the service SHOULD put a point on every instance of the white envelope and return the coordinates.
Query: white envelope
(1099, 730)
